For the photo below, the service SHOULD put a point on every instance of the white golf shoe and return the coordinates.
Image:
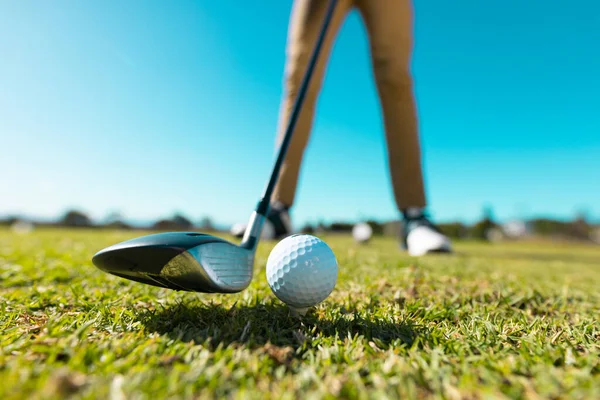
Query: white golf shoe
(422, 237)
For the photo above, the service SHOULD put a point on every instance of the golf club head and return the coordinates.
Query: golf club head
(187, 261)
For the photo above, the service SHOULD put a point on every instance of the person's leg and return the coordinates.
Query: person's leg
(389, 24)
(305, 23)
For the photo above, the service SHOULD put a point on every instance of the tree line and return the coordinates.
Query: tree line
(486, 228)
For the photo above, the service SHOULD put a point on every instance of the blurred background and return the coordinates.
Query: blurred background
(163, 115)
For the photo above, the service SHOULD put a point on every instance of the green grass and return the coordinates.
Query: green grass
(512, 320)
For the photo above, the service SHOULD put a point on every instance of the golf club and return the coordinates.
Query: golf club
(198, 262)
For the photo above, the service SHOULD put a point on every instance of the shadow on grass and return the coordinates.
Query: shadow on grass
(254, 326)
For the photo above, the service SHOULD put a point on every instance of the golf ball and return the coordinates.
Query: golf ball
(362, 232)
(238, 229)
(302, 271)
(267, 233)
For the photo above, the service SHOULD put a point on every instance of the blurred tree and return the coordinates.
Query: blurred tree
(547, 227)
(113, 216)
(376, 227)
(595, 235)
(118, 225)
(454, 230)
(8, 221)
(392, 228)
(483, 228)
(183, 222)
(206, 224)
(307, 229)
(177, 223)
(321, 227)
(579, 228)
(75, 218)
(163, 225)
(341, 227)
(115, 220)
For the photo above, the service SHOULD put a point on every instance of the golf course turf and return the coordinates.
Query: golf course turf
(505, 320)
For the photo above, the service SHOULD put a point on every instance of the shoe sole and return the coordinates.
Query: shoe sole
(434, 251)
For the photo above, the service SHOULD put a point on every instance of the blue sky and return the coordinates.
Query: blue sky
(151, 108)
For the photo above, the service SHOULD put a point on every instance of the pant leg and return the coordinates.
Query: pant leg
(389, 24)
(305, 24)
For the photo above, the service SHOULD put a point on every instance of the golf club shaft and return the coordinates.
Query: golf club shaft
(257, 219)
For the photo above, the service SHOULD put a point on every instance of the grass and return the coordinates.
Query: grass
(514, 320)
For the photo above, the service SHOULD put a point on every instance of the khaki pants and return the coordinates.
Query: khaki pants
(389, 24)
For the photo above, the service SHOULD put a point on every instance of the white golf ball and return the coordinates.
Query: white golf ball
(362, 232)
(267, 233)
(238, 229)
(302, 271)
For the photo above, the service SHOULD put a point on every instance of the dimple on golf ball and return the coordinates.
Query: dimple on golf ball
(302, 271)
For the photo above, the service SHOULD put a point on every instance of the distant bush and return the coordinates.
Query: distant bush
(307, 229)
(177, 223)
(8, 221)
(376, 227)
(206, 224)
(75, 218)
(455, 230)
(340, 227)
(482, 229)
(117, 225)
(579, 228)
